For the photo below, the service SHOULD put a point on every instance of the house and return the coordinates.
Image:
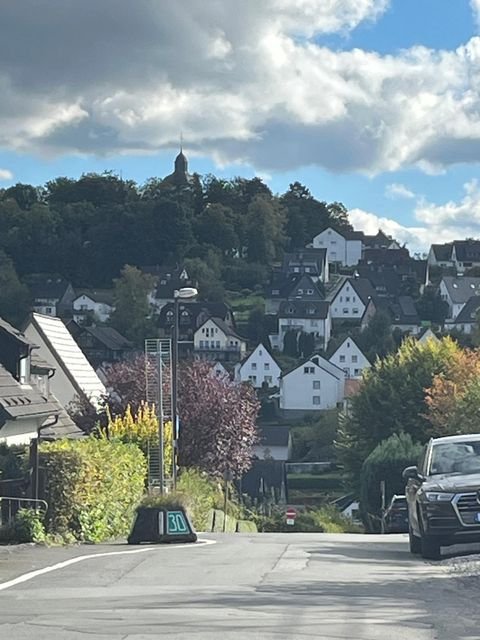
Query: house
(168, 279)
(426, 334)
(466, 320)
(100, 344)
(219, 370)
(344, 248)
(404, 315)
(275, 442)
(308, 317)
(93, 305)
(259, 368)
(217, 340)
(350, 358)
(291, 287)
(352, 299)
(27, 406)
(457, 291)
(380, 241)
(52, 295)
(391, 279)
(314, 385)
(313, 262)
(440, 255)
(74, 375)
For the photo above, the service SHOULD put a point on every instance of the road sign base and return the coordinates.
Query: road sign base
(160, 525)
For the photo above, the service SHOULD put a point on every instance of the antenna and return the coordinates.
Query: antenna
(181, 141)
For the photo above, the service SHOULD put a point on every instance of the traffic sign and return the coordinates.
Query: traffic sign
(291, 514)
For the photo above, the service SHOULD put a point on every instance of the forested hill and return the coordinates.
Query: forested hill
(88, 229)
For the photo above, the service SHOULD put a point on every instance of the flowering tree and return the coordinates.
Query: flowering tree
(217, 421)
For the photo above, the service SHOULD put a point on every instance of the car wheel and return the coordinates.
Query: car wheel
(430, 548)
(415, 542)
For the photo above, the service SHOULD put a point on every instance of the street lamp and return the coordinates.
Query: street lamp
(185, 293)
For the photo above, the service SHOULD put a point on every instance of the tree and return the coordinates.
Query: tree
(431, 306)
(132, 316)
(306, 344)
(217, 421)
(265, 236)
(126, 382)
(207, 273)
(214, 226)
(376, 339)
(290, 343)
(24, 194)
(392, 399)
(385, 463)
(14, 298)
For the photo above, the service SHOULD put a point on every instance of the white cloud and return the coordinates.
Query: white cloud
(437, 223)
(245, 82)
(396, 190)
(6, 174)
(475, 4)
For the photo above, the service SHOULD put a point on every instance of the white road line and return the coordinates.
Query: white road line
(66, 563)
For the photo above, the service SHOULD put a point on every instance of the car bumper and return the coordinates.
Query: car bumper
(441, 521)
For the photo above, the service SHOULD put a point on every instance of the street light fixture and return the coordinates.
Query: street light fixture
(185, 293)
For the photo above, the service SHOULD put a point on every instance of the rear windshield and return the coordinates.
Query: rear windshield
(455, 457)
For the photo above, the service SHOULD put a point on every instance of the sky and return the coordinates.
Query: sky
(373, 103)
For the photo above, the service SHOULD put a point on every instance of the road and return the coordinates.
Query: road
(268, 586)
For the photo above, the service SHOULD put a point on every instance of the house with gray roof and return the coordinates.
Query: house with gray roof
(217, 340)
(466, 320)
(27, 405)
(101, 345)
(460, 254)
(457, 291)
(52, 294)
(74, 375)
(305, 316)
(440, 255)
(353, 299)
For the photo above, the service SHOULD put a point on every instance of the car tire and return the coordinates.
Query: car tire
(430, 548)
(415, 542)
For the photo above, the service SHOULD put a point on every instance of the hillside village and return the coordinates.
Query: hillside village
(302, 340)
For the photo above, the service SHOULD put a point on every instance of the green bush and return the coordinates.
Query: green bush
(92, 487)
(199, 494)
(246, 526)
(326, 519)
(28, 526)
(386, 462)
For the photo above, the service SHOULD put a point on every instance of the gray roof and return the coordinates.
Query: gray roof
(15, 333)
(226, 328)
(23, 401)
(47, 285)
(105, 296)
(461, 289)
(467, 250)
(469, 312)
(274, 436)
(109, 337)
(442, 252)
(303, 309)
(65, 427)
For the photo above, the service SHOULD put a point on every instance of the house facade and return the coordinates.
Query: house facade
(308, 317)
(314, 385)
(345, 249)
(93, 305)
(466, 320)
(350, 358)
(216, 340)
(351, 299)
(259, 368)
(456, 292)
(52, 295)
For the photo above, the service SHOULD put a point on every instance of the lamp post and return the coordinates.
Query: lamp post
(185, 293)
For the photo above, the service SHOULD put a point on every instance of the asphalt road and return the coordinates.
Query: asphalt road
(268, 586)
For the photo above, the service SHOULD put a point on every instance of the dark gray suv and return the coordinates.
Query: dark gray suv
(443, 495)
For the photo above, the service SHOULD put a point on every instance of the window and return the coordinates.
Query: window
(201, 344)
(345, 310)
(347, 298)
(314, 323)
(333, 241)
(275, 292)
(354, 299)
(260, 352)
(308, 370)
(355, 310)
(300, 292)
(357, 372)
(316, 384)
(218, 344)
(309, 292)
(254, 366)
(252, 379)
(354, 358)
(320, 243)
(49, 311)
(266, 366)
(342, 358)
(316, 400)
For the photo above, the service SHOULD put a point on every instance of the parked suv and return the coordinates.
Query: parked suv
(443, 495)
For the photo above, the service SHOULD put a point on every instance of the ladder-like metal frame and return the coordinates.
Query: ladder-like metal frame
(158, 378)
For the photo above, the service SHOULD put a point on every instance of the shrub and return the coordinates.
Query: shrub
(199, 494)
(92, 487)
(28, 526)
(326, 519)
(386, 462)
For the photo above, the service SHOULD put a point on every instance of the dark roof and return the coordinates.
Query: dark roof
(364, 288)
(304, 283)
(109, 337)
(403, 311)
(198, 312)
(226, 328)
(168, 279)
(274, 436)
(467, 250)
(303, 309)
(65, 427)
(23, 401)
(461, 289)
(442, 252)
(47, 285)
(14, 333)
(352, 235)
(104, 296)
(269, 351)
(469, 312)
(310, 258)
(378, 241)
(385, 256)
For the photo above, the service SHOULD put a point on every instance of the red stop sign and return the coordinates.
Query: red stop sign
(290, 513)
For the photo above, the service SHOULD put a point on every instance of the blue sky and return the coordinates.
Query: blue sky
(373, 103)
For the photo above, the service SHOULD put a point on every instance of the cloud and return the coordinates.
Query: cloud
(6, 174)
(475, 4)
(437, 223)
(245, 82)
(396, 190)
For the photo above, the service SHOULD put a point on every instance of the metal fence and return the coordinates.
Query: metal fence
(10, 505)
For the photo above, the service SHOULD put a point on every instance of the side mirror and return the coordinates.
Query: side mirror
(413, 474)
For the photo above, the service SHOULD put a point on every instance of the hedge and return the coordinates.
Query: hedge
(92, 487)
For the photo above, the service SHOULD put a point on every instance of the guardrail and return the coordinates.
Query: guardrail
(10, 505)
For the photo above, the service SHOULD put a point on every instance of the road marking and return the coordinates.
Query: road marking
(66, 563)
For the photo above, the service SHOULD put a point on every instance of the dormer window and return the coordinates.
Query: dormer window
(275, 292)
(24, 370)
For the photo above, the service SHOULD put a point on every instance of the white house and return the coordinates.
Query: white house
(74, 375)
(274, 442)
(96, 304)
(309, 317)
(350, 358)
(466, 320)
(259, 368)
(52, 295)
(457, 292)
(351, 299)
(314, 385)
(216, 340)
(344, 248)
(426, 334)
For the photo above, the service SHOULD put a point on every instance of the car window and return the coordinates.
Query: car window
(421, 462)
(455, 457)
